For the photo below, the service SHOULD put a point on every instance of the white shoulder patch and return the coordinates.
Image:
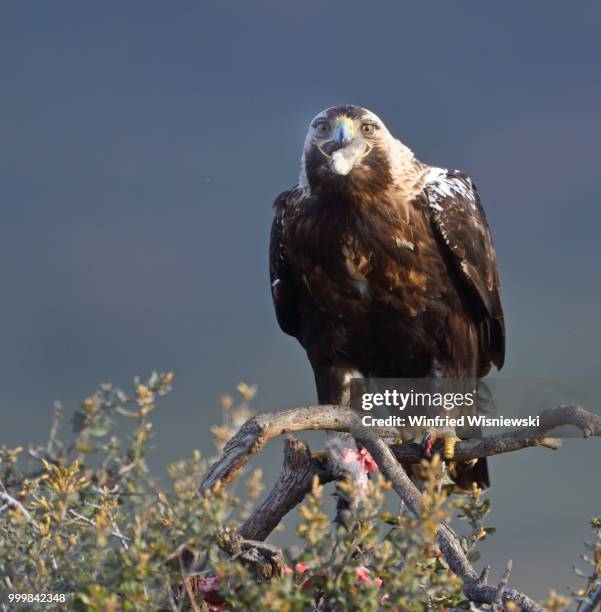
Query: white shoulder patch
(440, 185)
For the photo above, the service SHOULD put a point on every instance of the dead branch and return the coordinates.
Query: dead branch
(116, 533)
(474, 588)
(300, 466)
(256, 432)
(266, 559)
(11, 502)
(291, 487)
(498, 604)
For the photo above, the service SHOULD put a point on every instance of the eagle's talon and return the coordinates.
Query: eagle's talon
(449, 447)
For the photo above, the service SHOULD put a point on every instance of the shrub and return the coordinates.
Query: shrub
(84, 517)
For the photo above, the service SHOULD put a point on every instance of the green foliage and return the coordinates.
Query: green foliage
(592, 558)
(84, 517)
(99, 526)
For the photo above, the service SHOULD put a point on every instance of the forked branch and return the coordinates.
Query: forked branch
(300, 466)
(256, 432)
(291, 487)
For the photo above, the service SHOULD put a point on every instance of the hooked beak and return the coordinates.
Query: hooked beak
(344, 150)
(343, 131)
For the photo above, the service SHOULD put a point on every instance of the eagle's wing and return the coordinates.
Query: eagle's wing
(282, 280)
(461, 227)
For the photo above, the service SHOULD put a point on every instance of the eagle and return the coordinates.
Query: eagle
(382, 266)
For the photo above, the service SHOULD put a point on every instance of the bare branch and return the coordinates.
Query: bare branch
(116, 533)
(498, 603)
(476, 448)
(267, 559)
(255, 433)
(300, 466)
(448, 541)
(11, 502)
(293, 483)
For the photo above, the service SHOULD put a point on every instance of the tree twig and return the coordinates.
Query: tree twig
(11, 502)
(498, 603)
(116, 533)
(596, 601)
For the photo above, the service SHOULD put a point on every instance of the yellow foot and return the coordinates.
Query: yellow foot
(449, 447)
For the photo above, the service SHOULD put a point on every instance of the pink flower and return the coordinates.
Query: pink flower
(301, 567)
(362, 574)
(287, 570)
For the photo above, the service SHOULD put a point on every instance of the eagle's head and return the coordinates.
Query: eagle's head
(347, 150)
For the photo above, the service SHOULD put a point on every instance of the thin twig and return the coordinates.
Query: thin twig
(115, 532)
(11, 502)
(498, 603)
(596, 600)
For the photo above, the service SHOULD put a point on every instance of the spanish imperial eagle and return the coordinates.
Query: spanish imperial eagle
(382, 266)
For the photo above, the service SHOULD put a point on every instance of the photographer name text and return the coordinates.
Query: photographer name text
(448, 421)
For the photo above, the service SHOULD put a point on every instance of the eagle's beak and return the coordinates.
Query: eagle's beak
(344, 150)
(343, 131)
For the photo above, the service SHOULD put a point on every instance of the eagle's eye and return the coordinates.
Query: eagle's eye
(368, 129)
(322, 129)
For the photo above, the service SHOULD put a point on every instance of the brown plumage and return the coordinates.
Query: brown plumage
(381, 265)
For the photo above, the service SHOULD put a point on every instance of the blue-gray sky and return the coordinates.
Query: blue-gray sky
(141, 147)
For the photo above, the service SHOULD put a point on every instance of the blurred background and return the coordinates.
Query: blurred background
(141, 147)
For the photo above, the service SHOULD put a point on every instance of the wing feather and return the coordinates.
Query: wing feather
(460, 224)
(282, 281)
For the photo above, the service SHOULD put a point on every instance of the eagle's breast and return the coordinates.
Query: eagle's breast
(367, 261)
